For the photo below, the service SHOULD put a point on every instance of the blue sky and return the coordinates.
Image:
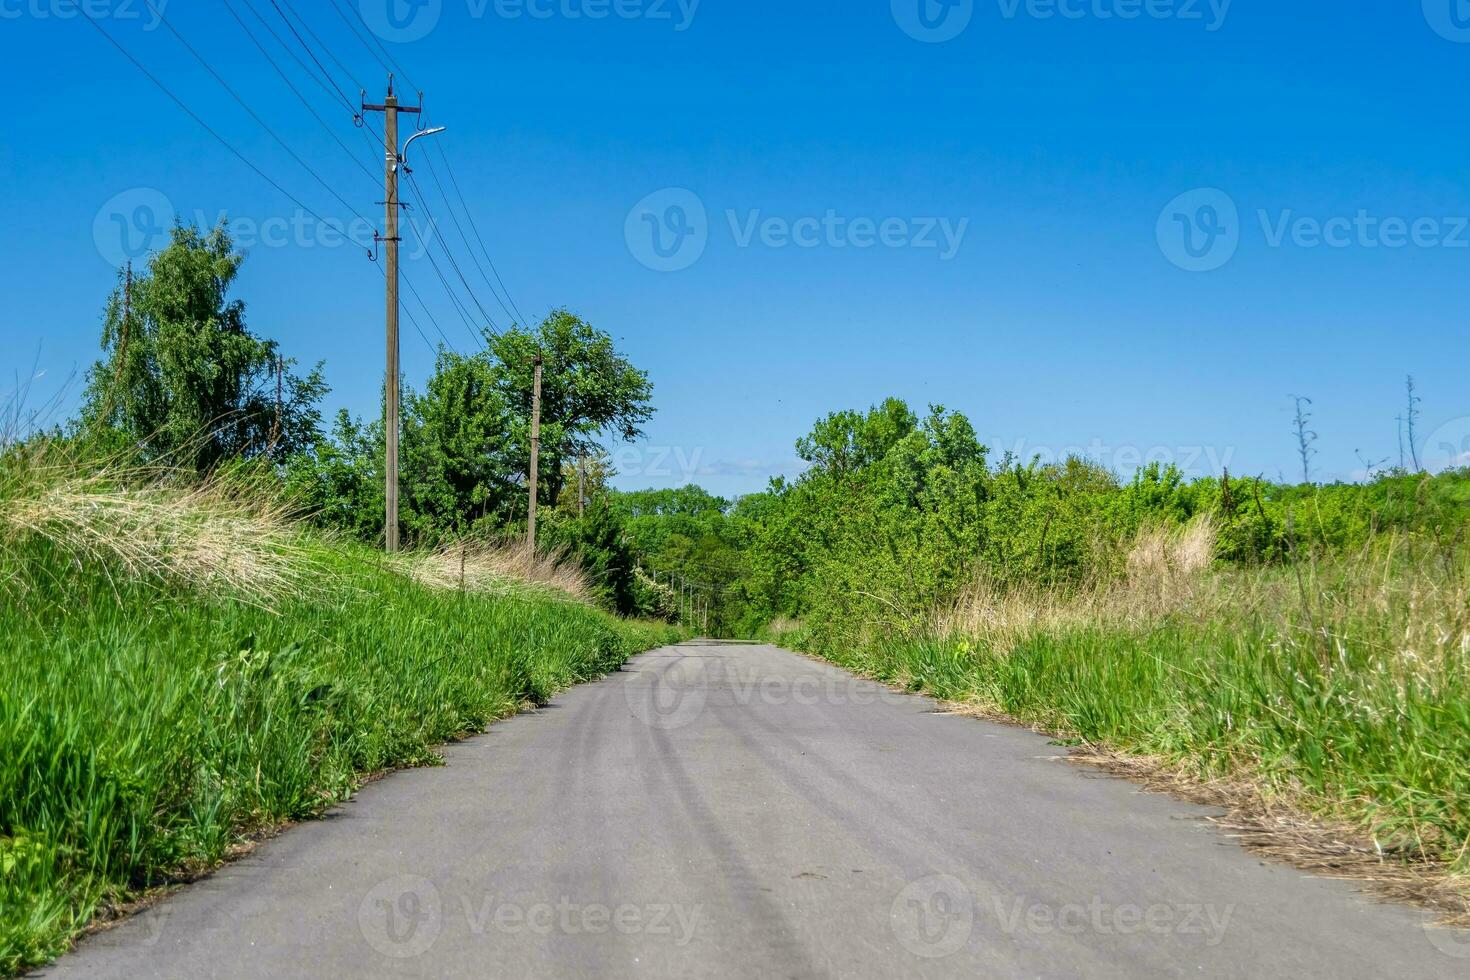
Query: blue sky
(987, 212)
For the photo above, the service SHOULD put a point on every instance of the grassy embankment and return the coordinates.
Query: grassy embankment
(183, 666)
(1335, 690)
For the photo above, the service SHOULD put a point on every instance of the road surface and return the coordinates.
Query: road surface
(719, 810)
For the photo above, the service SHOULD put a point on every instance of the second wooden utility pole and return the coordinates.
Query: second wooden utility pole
(390, 110)
(581, 485)
(535, 458)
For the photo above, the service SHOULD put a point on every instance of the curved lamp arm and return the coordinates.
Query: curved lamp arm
(403, 157)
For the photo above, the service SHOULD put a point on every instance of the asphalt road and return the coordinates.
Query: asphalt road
(736, 811)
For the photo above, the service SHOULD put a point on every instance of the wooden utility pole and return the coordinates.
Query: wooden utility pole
(276, 425)
(535, 457)
(581, 485)
(390, 110)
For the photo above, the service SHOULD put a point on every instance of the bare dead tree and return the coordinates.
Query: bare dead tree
(1369, 465)
(1304, 436)
(1412, 420)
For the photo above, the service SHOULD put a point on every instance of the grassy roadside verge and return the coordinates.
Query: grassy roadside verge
(1336, 693)
(156, 710)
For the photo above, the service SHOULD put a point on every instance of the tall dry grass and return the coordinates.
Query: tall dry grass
(1167, 570)
(1407, 603)
(497, 567)
(218, 535)
(222, 535)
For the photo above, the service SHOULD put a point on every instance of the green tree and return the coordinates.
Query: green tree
(459, 467)
(183, 378)
(338, 482)
(589, 391)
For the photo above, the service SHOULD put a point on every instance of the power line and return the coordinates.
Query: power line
(423, 202)
(195, 116)
(361, 122)
(471, 216)
(444, 280)
(328, 85)
(253, 114)
(297, 92)
(460, 228)
(414, 322)
(292, 27)
(363, 41)
(425, 306)
(390, 64)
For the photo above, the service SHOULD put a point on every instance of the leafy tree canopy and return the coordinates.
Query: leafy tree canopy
(183, 378)
(588, 391)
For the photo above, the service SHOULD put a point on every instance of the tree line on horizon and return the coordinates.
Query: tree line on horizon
(894, 511)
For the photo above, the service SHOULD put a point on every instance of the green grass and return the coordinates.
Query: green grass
(146, 725)
(1345, 692)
